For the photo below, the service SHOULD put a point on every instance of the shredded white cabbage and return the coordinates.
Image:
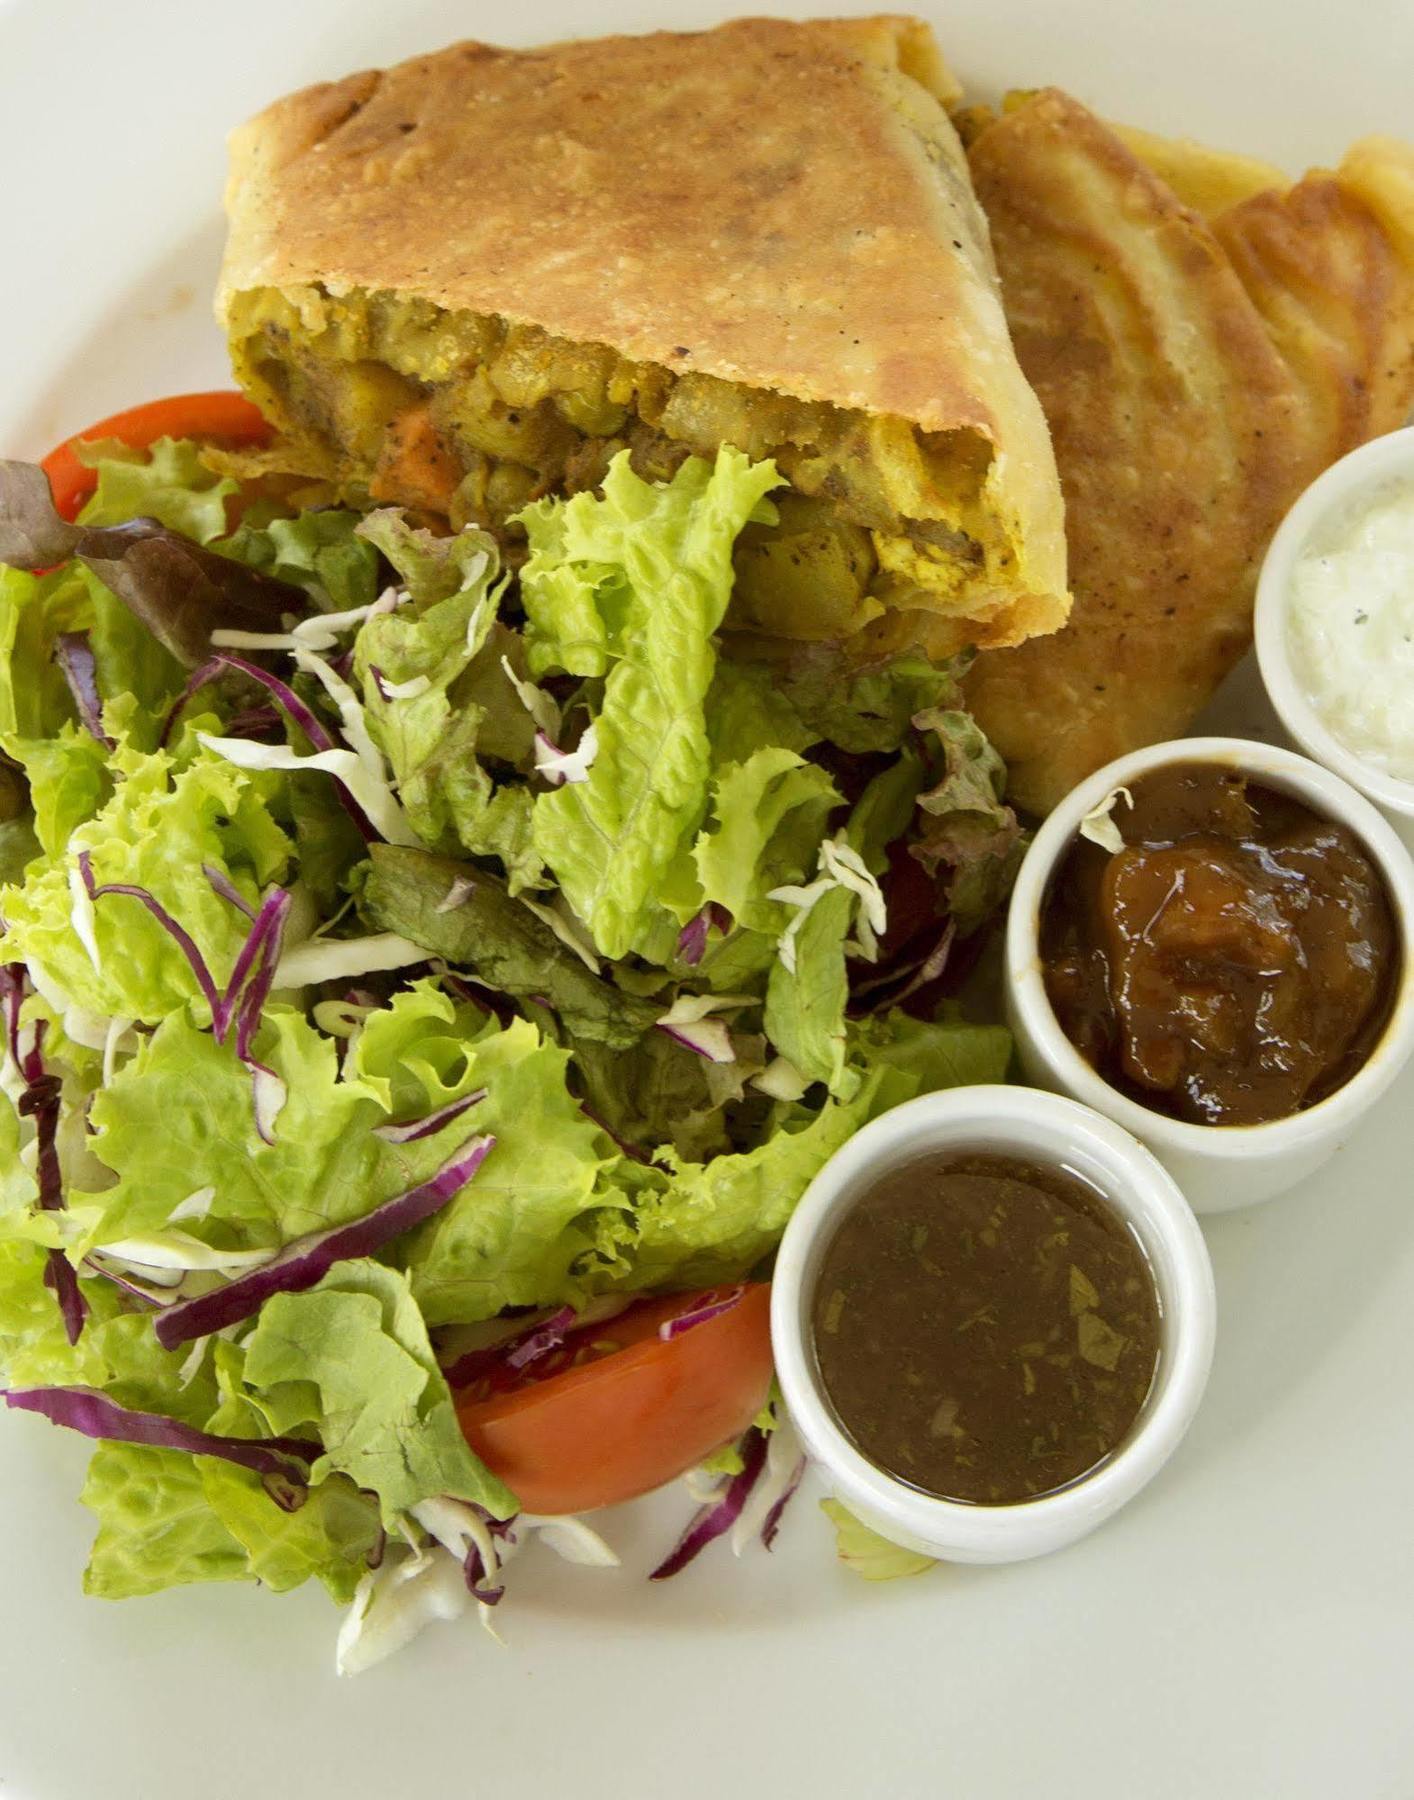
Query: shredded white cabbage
(392, 1604)
(571, 931)
(114, 1045)
(1098, 825)
(352, 718)
(462, 886)
(340, 959)
(783, 1459)
(781, 1080)
(196, 1205)
(535, 700)
(340, 1018)
(802, 899)
(566, 765)
(847, 866)
(181, 1252)
(376, 798)
(320, 631)
(411, 689)
(81, 916)
(839, 866)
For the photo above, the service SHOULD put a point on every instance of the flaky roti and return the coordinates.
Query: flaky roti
(771, 210)
(1196, 376)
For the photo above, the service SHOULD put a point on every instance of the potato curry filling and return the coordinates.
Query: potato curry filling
(393, 399)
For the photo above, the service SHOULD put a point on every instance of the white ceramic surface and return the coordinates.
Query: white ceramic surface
(1243, 1631)
(1219, 1168)
(1347, 485)
(1045, 1128)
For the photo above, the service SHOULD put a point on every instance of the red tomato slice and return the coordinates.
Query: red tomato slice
(620, 1410)
(221, 418)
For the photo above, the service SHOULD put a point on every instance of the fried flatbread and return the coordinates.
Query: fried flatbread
(1196, 373)
(472, 278)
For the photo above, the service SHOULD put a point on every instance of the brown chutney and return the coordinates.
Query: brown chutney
(1234, 962)
(985, 1329)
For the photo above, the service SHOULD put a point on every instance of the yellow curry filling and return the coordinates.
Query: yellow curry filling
(394, 399)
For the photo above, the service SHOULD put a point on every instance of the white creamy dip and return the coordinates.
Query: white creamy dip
(1352, 630)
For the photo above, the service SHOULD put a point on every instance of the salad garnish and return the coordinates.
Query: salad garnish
(428, 984)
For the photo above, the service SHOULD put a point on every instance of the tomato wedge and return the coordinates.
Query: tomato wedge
(619, 1409)
(220, 418)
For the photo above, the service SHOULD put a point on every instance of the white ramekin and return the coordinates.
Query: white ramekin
(1218, 1167)
(1338, 491)
(1041, 1127)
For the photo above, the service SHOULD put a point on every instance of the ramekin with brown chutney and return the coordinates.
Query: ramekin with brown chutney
(1208, 942)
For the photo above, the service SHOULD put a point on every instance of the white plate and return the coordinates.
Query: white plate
(1245, 1630)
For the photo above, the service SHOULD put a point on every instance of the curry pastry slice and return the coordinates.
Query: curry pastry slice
(1197, 372)
(472, 279)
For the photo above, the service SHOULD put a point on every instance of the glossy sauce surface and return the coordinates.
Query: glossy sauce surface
(985, 1329)
(1234, 962)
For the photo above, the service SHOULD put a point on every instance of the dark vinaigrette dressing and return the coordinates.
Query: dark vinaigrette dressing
(986, 1329)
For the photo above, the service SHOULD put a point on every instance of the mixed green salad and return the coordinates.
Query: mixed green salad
(408, 960)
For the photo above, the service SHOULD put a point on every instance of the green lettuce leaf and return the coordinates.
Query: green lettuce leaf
(515, 1235)
(18, 848)
(156, 1528)
(69, 781)
(970, 839)
(177, 1117)
(508, 948)
(168, 482)
(649, 569)
(448, 646)
(321, 551)
(870, 1556)
(329, 1536)
(702, 1223)
(134, 673)
(767, 819)
(356, 1345)
(870, 708)
(696, 1224)
(805, 1005)
(747, 711)
(162, 823)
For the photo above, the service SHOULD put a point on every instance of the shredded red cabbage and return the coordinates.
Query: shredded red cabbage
(251, 979)
(904, 977)
(127, 1284)
(712, 1307)
(282, 694)
(308, 1259)
(97, 1415)
(719, 1514)
(74, 654)
(771, 1524)
(411, 1130)
(226, 889)
(632, 1151)
(692, 939)
(542, 1340)
(39, 1100)
(182, 938)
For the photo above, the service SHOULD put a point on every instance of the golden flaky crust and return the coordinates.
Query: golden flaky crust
(1196, 376)
(781, 205)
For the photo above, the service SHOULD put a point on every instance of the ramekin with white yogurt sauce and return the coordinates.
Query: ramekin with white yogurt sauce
(1335, 623)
